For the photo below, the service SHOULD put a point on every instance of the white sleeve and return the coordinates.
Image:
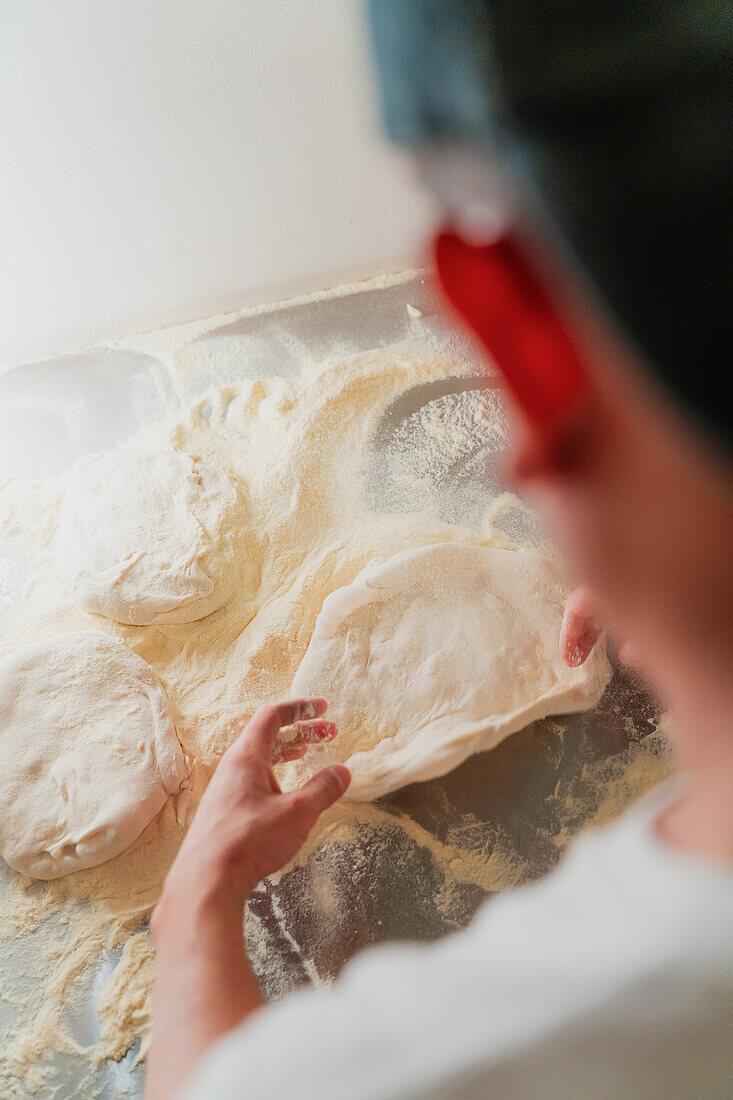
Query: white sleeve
(602, 969)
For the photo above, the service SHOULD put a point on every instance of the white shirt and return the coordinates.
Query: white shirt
(612, 977)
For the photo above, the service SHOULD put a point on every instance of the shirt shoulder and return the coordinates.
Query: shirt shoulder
(625, 928)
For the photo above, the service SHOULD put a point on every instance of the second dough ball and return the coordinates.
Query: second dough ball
(438, 653)
(153, 537)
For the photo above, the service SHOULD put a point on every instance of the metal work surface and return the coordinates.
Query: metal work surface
(523, 800)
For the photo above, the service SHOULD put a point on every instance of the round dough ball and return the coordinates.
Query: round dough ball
(153, 537)
(436, 654)
(90, 752)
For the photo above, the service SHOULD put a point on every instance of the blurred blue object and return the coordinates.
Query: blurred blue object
(621, 116)
(434, 71)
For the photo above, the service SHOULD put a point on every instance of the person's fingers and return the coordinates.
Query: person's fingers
(581, 602)
(315, 732)
(301, 710)
(290, 752)
(579, 631)
(321, 791)
(264, 727)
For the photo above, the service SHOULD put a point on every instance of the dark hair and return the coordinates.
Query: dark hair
(621, 113)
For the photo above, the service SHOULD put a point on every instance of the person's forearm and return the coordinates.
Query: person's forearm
(245, 828)
(204, 983)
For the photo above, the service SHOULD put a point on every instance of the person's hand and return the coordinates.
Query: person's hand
(581, 630)
(245, 828)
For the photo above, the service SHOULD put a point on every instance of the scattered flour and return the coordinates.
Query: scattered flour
(299, 447)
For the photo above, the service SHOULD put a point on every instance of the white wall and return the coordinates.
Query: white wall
(165, 159)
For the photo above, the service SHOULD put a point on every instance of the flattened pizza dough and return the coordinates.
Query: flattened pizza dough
(153, 537)
(90, 753)
(436, 654)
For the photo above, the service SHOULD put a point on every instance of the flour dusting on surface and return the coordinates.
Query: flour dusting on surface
(300, 445)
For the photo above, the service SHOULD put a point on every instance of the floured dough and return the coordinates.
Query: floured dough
(152, 537)
(436, 654)
(90, 752)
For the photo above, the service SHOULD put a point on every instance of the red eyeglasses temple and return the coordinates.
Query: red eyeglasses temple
(497, 291)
